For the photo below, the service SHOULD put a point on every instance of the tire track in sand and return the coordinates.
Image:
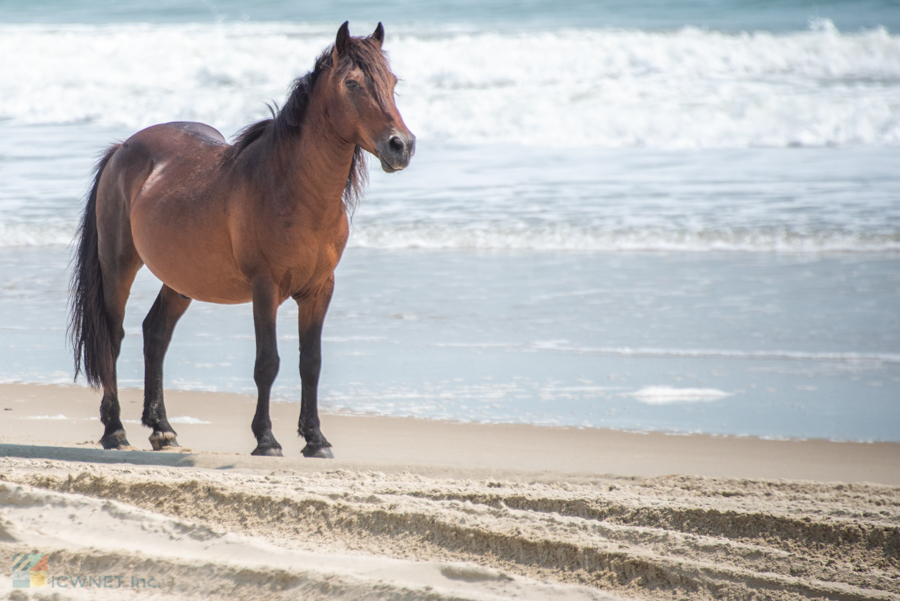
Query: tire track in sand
(676, 537)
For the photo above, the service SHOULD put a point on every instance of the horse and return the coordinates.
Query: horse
(260, 220)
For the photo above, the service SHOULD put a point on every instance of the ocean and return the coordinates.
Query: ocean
(651, 216)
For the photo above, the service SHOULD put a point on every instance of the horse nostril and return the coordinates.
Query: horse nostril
(396, 144)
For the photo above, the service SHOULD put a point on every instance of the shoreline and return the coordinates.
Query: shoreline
(34, 428)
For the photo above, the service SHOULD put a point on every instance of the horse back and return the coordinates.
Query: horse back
(164, 152)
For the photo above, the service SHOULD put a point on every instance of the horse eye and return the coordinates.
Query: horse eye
(352, 84)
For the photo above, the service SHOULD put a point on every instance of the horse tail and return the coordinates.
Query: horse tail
(89, 329)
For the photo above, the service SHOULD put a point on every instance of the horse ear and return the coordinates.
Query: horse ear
(343, 38)
(378, 36)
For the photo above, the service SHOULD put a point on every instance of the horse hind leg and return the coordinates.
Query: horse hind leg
(158, 328)
(117, 287)
(104, 269)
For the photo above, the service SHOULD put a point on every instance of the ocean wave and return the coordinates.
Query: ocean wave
(563, 237)
(625, 351)
(36, 234)
(780, 355)
(544, 237)
(689, 88)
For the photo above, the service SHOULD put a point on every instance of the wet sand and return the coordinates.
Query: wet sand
(415, 509)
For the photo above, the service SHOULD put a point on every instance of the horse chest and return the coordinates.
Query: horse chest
(305, 266)
(311, 246)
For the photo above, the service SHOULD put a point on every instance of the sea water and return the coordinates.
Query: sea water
(665, 216)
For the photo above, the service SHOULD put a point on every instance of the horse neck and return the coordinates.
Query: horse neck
(314, 167)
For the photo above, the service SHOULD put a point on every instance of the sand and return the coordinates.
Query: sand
(414, 509)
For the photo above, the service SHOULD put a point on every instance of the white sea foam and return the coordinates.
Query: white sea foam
(36, 234)
(583, 237)
(777, 355)
(186, 419)
(550, 236)
(689, 88)
(665, 395)
(58, 416)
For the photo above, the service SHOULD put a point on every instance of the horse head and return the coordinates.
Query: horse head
(363, 111)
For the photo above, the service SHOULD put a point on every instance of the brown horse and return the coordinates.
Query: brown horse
(261, 220)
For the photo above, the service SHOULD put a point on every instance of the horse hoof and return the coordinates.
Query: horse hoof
(317, 452)
(161, 440)
(114, 441)
(267, 452)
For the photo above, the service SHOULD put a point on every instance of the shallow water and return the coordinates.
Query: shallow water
(726, 343)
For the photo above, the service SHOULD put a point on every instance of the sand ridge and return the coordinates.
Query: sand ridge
(118, 548)
(656, 538)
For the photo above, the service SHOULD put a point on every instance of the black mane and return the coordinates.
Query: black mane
(287, 122)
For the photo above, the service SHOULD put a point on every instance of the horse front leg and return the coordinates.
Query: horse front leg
(312, 312)
(158, 327)
(265, 310)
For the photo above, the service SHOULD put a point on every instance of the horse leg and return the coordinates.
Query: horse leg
(105, 264)
(311, 317)
(116, 289)
(265, 309)
(158, 327)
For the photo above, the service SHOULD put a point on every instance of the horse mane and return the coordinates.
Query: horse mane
(287, 122)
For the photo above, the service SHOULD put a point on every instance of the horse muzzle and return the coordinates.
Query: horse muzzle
(396, 150)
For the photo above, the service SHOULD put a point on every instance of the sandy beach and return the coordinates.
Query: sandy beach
(414, 509)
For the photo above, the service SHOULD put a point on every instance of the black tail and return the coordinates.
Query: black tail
(89, 330)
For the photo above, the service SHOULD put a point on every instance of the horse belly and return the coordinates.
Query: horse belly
(200, 279)
(192, 266)
(184, 242)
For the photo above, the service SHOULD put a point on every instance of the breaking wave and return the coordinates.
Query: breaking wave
(688, 88)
